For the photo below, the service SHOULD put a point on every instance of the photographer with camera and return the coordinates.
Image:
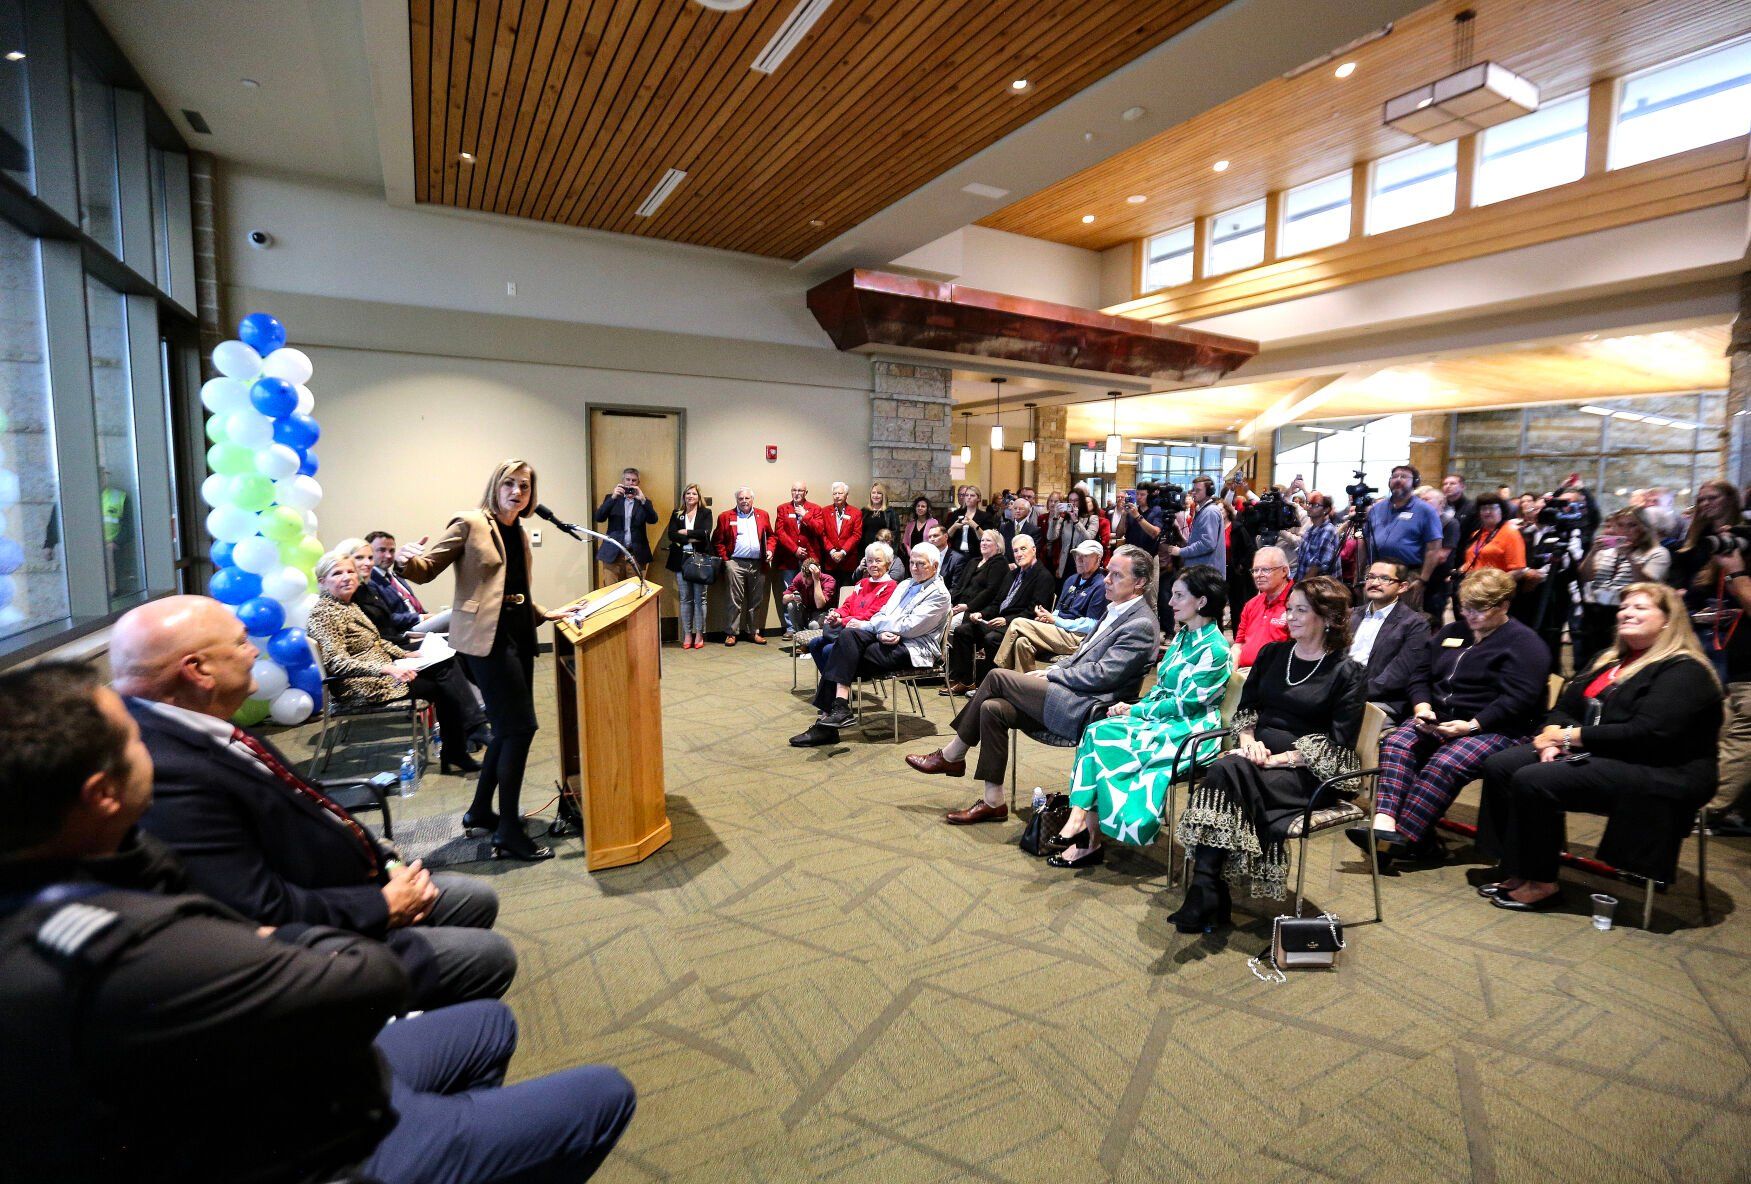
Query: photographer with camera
(1073, 522)
(1625, 553)
(1208, 541)
(1318, 553)
(1555, 535)
(808, 597)
(1405, 529)
(1142, 518)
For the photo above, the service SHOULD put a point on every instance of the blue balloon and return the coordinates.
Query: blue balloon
(307, 679)
(307, 463)
(274, 397)
(261, 615)
(261, 332)
(233, 585)
(221, 553)
(296, 431)
(289, 649)
(11, 556)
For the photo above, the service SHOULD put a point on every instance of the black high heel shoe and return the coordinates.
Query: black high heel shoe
(523, 849)
(485, 821)
(458, 764)
(1056, 843)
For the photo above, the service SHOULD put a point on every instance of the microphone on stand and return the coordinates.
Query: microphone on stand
(578, 532)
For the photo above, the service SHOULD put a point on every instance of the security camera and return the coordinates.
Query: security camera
(261, 240)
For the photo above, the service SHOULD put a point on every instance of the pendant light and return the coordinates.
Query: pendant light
(997, 428)
(1029, 450)
(1114, 441)
(966, 438)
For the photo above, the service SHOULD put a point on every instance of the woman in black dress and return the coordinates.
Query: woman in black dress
(1299, 716)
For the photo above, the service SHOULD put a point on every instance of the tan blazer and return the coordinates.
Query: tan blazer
(473, 546)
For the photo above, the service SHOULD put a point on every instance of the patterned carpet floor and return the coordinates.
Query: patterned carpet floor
(818, 980)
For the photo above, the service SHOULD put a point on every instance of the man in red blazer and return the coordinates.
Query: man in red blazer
(745, 542)
(790, 522)
(836, 530)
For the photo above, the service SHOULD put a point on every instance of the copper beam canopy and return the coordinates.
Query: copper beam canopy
(868, 310)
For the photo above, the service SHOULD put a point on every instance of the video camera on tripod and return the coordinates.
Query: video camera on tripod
(1361, 495)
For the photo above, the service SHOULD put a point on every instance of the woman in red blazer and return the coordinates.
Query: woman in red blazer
(745, 542)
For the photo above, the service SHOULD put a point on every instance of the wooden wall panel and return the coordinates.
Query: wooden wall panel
(574, 109)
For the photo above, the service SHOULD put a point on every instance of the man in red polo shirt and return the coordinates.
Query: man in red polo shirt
(1262, 620)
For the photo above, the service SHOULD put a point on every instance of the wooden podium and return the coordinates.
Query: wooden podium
(606, 670)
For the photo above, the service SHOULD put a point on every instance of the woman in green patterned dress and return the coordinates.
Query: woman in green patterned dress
(1125, 761)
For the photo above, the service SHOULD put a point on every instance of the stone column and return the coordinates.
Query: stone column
(1737, 430)
(911, 411)
(1052, 456)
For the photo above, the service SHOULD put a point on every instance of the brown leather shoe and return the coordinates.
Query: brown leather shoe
(757, 639)
(935, 762)
(977, 812)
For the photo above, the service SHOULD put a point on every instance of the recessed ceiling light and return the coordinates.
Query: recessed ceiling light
(16, 55)
(980, 189)
(1132, 114)
(816, 223)
(251, 83)
(1087, 218)
(1345, 70)
(724, 5)
(467, 157)
(1138, 199)
(1220, 166)
(1018, 84)
(1421, 103)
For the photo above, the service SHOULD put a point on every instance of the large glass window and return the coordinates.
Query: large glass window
(1327, 455)
(1698, 101)
(1315, 215)
(33, 580)
(1237, 239)
(106, 318)
(1168, 260)
(1413, 186)
(1536, 151)
(15, 156)
(94, 114)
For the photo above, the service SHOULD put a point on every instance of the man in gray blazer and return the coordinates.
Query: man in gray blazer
(1061, 698)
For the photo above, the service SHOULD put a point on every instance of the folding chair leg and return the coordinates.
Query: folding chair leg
(1702, 865)
(1014, 754)
(1300, 872)
(1648, 906)
(1374, 874)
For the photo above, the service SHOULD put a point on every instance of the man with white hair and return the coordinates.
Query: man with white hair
(1019, 520)
(837, 531)
(258, 837)
(1264, 618)
(1064, 626)
(1027, 588)
(904, 635)
(745, 542)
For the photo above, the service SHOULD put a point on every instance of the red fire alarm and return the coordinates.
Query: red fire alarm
(772, 452)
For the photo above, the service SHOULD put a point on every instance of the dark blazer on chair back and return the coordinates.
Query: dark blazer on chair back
(1400, 655)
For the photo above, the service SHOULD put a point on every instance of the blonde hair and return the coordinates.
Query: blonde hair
(1486, 588)
(489, 501)
(992, 536)
(350, 546)
(694, 486)
(1676, 640)
(331, 560)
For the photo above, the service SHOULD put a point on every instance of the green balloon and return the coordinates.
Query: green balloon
(308, 550)
(282, 524)
(230, 460)
(251, 713)
(215, 429)
(251, 491)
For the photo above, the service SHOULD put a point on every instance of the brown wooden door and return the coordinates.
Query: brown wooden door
(649, 441)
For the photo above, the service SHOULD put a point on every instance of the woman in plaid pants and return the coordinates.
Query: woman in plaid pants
(1482, 691)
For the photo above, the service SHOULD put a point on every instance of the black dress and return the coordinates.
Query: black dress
(1247, 810)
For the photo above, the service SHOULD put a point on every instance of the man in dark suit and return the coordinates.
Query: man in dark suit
(629, 515)
(1062, 698)
(1390, 640)
(1029, 587)
(1019, 520)
(259, 838)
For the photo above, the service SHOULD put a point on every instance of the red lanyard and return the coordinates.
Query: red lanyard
(292, 781)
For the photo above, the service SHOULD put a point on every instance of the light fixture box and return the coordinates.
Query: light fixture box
(1476, 98)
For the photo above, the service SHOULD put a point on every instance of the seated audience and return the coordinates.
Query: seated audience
(1391, 641)
(1058, 630)
(858, 607)
(141, 1007)
(406, 613)
(904, 635)
(982, 580)
(689, 534)
(1496, 543)
(808, 598)
(1075, 521)
(1028, 587)
(1126, 761)
(1632, 737)
(1299, 716)
(1480, 689)
(917, 528)
(834, 532)
(255, 835)
(371, 602)
(1017, 522)
(1107, 667)
(1263, 619)
(362, 664)
(1624, 553)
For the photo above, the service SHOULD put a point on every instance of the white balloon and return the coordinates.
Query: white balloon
(258, 556)
(276, 462)
(213, 490)
(251, 429)
(298, 615)
(234, 359)
(270, 678)
(285, 584)
(231, 524)
(222, 396)
(306, 401)
(310, 523)
(8, 488)
(300, 492)
(287, 363)
(291, 706)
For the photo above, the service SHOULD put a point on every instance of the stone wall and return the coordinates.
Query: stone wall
(911, 409)
(1052, 459)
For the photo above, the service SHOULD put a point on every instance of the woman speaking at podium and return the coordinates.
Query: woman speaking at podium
(492, 626)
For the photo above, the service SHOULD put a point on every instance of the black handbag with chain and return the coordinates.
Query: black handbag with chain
(1045, 822)
(1301, 943)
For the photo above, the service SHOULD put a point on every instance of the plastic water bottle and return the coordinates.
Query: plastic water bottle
(437, 736)
(1039, 798)
(410, 775)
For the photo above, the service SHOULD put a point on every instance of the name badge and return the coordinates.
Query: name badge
(1452, 643)
(1405, 516)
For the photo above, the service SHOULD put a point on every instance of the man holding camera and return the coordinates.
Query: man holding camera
(1318, 554)
(808, 597)
(628, 515)
(1207, 544)
(1407, 530)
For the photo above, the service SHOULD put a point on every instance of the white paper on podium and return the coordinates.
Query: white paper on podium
(585, 611)
(434, 648)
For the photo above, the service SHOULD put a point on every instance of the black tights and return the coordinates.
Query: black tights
(506, 678)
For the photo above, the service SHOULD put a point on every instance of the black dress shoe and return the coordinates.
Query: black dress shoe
(1728, 824)
(1060, 842)
(1543, 905)
(1087, 858)
(837, 716)
(458, 764)
(485, 820)
(818, 736)
(519, 847)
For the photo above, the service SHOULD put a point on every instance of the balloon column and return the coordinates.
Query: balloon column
(263, 495)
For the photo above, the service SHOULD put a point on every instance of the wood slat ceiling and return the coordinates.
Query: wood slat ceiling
(575, 109)
(1291, 131)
